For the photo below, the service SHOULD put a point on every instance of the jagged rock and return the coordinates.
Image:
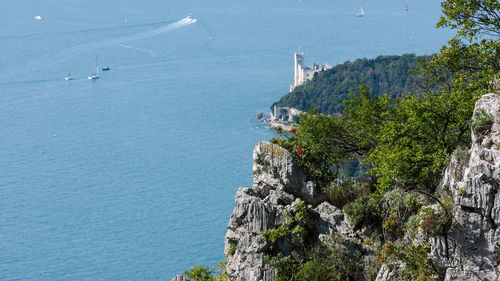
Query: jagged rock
(244, 246)
(275, 169)
(278, 185)
(387, 273)
(331, 220)
(471, 249)
(181, 278)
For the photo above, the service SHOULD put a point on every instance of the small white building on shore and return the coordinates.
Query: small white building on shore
(285, 114)
(304, 73)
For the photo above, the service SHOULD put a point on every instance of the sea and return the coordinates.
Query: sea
(132, 176)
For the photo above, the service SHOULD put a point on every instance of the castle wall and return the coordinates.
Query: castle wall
(302, 73)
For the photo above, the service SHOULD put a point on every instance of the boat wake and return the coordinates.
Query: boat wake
(149, 52)
(157, 31)
(122, 41)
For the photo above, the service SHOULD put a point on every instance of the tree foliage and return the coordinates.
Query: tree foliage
(328, 89)
(471, 17)
(404, 141)
(203, 273)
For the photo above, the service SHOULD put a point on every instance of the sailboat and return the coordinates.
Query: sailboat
(96, 73)
(69, 77)
(406, 6)
(361, 13)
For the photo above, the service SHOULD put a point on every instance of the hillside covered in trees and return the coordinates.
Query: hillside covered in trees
(328, 89)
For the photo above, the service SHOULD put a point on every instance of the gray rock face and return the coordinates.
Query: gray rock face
(278, 185)
(471, 250)
(181, 278)
(275, 169)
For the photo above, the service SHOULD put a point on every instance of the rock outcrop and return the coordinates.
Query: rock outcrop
(181, 278)
(278, 186)
(471, 251)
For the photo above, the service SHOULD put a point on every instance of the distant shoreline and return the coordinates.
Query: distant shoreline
(271, 124)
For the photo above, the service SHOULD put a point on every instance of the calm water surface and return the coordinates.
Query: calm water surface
(133, 176)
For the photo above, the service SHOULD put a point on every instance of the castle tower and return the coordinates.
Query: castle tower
(299, 63)
(304, 73)
(298, 76)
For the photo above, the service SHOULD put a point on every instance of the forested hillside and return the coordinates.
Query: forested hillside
(327, 90)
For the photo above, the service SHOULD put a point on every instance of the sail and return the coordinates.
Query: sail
(361, 13)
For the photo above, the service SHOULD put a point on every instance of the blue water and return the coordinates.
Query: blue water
(133, 176)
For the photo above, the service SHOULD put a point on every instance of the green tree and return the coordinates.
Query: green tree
(471, 17)
(200, 273)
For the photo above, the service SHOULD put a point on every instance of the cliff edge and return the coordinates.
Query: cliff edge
(472, 249)
(278, 187)
(468, 250)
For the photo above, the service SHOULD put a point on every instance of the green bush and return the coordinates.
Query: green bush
(343, 192)
(203, 273)
(482, 122)
(363, 211)
(417, 264)
(331, 261)
(232, 248)
(294, 226)
(287, 266)
(435, 222)
(200, 273)
(326, 262)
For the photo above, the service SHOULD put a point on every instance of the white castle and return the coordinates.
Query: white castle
(304, 73)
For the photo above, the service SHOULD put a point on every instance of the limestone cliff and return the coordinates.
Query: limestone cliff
(278, 185)
(469, 251)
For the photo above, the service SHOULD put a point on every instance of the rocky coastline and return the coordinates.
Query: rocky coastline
(469, 251)
(272, 124)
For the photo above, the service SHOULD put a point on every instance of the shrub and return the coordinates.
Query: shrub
(343, 192)
(393, 225)
(232, 248)
(287, 266)
(363, 211)
(293, 226)
(417, 264)
(332, 260)
(435, 222)
(200, 273)
(203, 273)
(482, 123)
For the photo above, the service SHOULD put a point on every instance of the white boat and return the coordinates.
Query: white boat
(69, 77)
(361, 13)
(96, 73)
(38, 17)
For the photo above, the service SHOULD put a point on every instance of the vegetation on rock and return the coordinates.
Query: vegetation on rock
(404, 142)
(403, 133)
(203, 273)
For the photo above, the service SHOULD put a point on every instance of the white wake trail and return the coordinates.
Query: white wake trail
(71, 52)
(149, 52)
